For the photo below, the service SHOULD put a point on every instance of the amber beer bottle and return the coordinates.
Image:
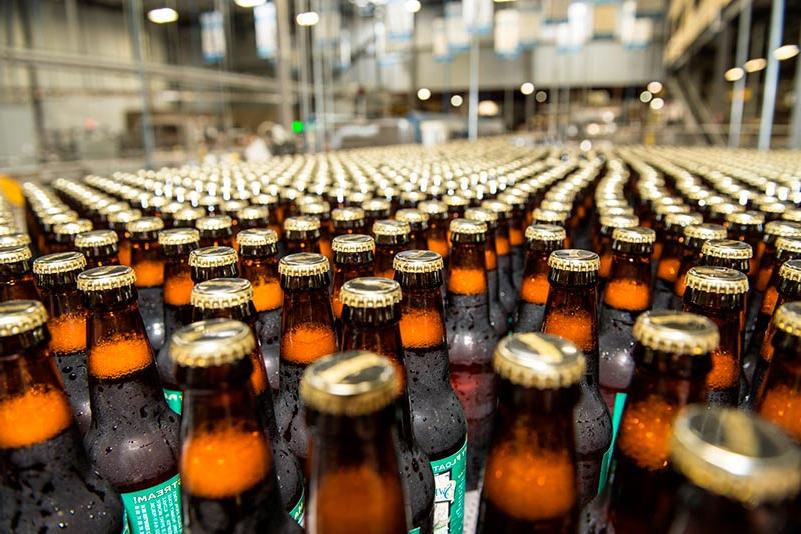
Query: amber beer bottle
(669, 263)
(506, 290)
(251, 217)
(64, 234)
(517, 240)
(438, 420)
(391, 237)
(307, 334)
(353, 258)
(541, 239)
(608, 225)
(719, 293)
(16, 279)
(118, 222)
(258, 263)
(627, 294)
(138, 455)
(375, 209)
(187, 217)
(348, 221)
(302, 234)
(672, 355)
(99, 247)
(215, 231)
(418, 224)
(747, 226)
(206, 263)
(727, 253)
(786, 249)
(322, 211)
(471, 339)
(695, 236)
(741, 474)
(530, 485)
(498, 314)
(147, 261)
(355, 483)
(56, 276)
(47, 482)
(228, 473)
(437, 226)
(571, 312)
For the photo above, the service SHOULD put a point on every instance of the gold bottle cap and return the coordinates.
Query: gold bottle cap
(418, 261)
(301, 224)
(788, 318)
(370, 292)
(264, 200)
(7, 229)
(376, 205)
(61, 262)
(636, 235)
(189, 214)
(676, 332)
(772, 207)
(14, 240)
(556, 205)
(727, 249)
(455, 201)
(256, 237)
(501, 209)
(682, 220)
(206, 257)
(347, 214)
(96, 238)
(735, 454)
(178, 236)
(667, 209)
(316, 208)
(789, 244)
(145, 225)
(105, 278)
(783, 229)
(18, 316)
(705, 231)
(14, 254)
(352, 243)
(481, 215)
(221, 293)
(60, 218)
(234, 205)
(746, 218)
(547, 216)
(791, 270)
(546, 232)
(541, 361)
(619, 221)
(124, 217)
(303, 264)
(467, 227)
(212, 342)
(574, 260)
(411, 216)
(432, 207)
(391, 227)
(716, 280)
(73, 227)
(793, 215)
(171, 208)
(350, 384)
(253, 213)
(211, 223)
(413, 197)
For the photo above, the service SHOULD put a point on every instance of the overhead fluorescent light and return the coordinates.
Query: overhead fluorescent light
(786, 52)
(755, 65)
(308, 18)
(162, 15)
(527, 88)
(732, 75)
(423, 93)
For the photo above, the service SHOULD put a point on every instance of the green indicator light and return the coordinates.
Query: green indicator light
(298, 126)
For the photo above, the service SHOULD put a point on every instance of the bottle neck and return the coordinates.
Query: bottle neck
(571, 310)
(373, 329)
(307, 327)
(147, 261)
(203, 274)
(177, 281)
(629, 284)
(467, 274)
(422, 324)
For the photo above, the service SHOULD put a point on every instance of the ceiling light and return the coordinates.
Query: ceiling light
(412, 6)
(423, 93)
(785, 52)
(308, 18)
(646, 97)
(541, 96)
(734, 74)
(655, 87)
(456, 101)
(162, 15)
(250, 3)
(488, 108)
(527, 88)
(657, 104)
(755, 65)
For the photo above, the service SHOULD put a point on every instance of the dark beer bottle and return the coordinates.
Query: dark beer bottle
(498, 315)
(410, 199)
(456, 204)
(49, 222)
(786, 249)
(228, 476)
(64, 234)
(391, 237)
(530, 485)
(571, 312)
(118, 222)
(16, 279)
(767, 251)
(322, 211)
(99, 247)
(741, 475)
(13, 239)
(542, 239)
(418, 225)
(695, 236)
(307, 334)
(672, 357)
(437, 226)
(727, 253)
(355, 481)
(47, 483)
(215, 231)
(348, 221)
(471, 338)
(438, 420)
(302, 234)
(207, 263)
(503, 249)
(667, 270)
(353, 258)
(747, 226)
(138, 455)
(188, 217)
(719, 293)
(147, 262)
(168, 212)
(251, 217)
(517, 241)
(375, 209)
(608, 225)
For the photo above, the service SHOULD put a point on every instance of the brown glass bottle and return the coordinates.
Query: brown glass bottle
(215, 231)
(498, 315)
(437, 226)
(659, 224)
(251, 217)
(138, 455)
(672, 354)
(517, 241)
(322, 211)
(530, 485)
(786, 249)
(747, 226)
(355, 483)
(418, 225)
(147, 261)
(353, 258)
(213, 262)
(719, 294)
(542, 239)
(64, 234)
(302, 234)
(187, 217)
(571, 312)
(695, 236)
(275, 220)
(391, 237)
(99, 247)
(667, 269)
(49, 222)
(608, 226)
(169, 210)
(348, 221)
(375, 209)
(47, 482)
(118, 222)
(16, 279)
(503, 248)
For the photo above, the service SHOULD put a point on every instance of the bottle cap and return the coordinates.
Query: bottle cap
(735, 454)
(574, 260)
(145, 225)
(370, 292)
(350, 383)
(720, 280)
(253, 213)
(61, 262)
(501, 209)
(619, 221)
(206, 257)
(96, 238)
(376, 206)
(352, 243)
(171, 208)
(455, 201)
(418, 261)
(317, 208)
(256, 237)
(705, 231)
(189, 214)
(303, 264)
(14, 240)
(391, 227)
(727, 249)
(303, 223)
(788, 318)
(60, 218)
(221, 293)
(212, 342)
(14, 254)
(18, 316)
(789, 244)
(791, 270)
(264, 200)
(347, 214)
(783, 229)
(178, 236)
(746, 218)
(636, 235)
(547, 216)
(432, 207)
(467, 227)
(793, 215)
(124, 217)
(411, 216)
(105, 278)
(211, 223)
(546, 232)
(676, 332)
(73, 227)
(233, 206)
(541, 361)
(682, 220)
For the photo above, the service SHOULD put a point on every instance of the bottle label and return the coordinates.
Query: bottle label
(449, 477)
(415, 530)
(155, 510)
(606, 463)
(174, 398)
(297, 511)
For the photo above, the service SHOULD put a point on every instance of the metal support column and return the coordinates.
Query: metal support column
(772, 75)
(283, 14)
(472, 119)
(135, 20)
(795, 119)
(738, 92)
(319, 97)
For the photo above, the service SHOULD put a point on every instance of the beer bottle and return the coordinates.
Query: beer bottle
(517, 241)
(232, 298)
(188, 217)
(667, 269)
(118, 222)
(747, 226)
(228, 477)
(370, 317)
(418, 225)
(99, 247)
(168, 212)
(471, 338)
(530, 484)
(662, 211)
(557, 218)
(177, 244)
(672, 354)
(767, 251)
(231, 208)
(12, 239)
(456, 204)
(251, 217)
(307, 333)
(608, 225)
(47, 482)
(16, 279)
(355, 481)
(215, 231)
(391, 237)
(49, 222)
(147, 262)
(437, 226)
(741, 474)
(322, 211)
(627, 294)
(207, 263)
(498, 315)
(410, 199)
(542, 239)
(719, 293)
(353, 258)
(275, 222)
(56, 276)
(695, 236)
(375, 209)
(438, 420)
(137, 454)
(727, 253)
(503, 249)
(348, 221)
(64, 234)
(571, 312)
(786, 249)
(302, 234)
(258, 263)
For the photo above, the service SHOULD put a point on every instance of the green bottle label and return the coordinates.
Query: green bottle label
(155, 510)
(297, 511)
(606, 463)
(125, 528)
(415, 531)
(449, 477)
(174, 398)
